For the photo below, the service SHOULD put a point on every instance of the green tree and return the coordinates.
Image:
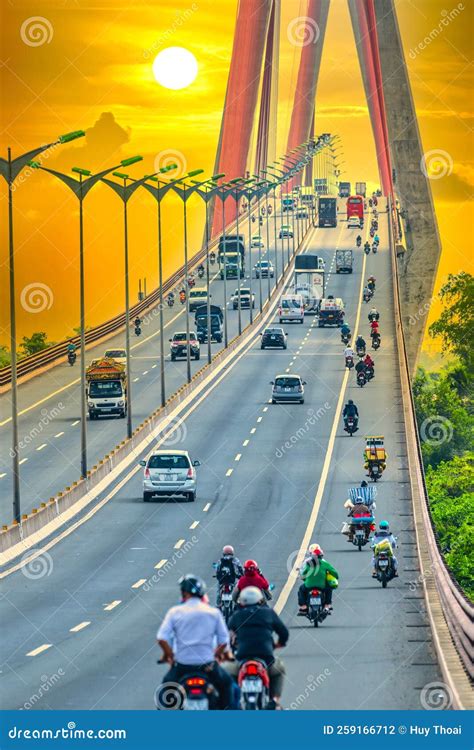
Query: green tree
(455, 325)
(446, 427)
(4, 356)
(34, 343)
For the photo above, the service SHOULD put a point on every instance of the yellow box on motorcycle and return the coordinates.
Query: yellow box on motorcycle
(331, 581)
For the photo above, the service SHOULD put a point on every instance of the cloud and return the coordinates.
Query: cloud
(103, 141)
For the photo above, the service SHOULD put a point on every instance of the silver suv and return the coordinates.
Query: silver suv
(169, 473)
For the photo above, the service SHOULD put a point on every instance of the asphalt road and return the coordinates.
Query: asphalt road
(49, 404)
(81, 619)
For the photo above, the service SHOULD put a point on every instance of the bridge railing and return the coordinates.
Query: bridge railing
(451, 613)
(47, 356)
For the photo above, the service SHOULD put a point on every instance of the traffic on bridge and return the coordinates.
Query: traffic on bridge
(215, 499)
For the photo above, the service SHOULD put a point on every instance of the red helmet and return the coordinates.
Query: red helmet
(250, 566)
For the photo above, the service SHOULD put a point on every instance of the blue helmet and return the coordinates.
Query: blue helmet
(383, 525)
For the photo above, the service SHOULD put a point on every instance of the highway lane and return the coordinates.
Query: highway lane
(262, 507)
(49, 404)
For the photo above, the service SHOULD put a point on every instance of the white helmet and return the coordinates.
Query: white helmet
(250, 595)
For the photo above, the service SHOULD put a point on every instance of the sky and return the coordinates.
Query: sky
(89, 65)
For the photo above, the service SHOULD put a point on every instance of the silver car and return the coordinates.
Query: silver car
(169, 473)
(288, 388)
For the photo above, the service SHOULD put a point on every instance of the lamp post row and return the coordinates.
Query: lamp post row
(237, 188)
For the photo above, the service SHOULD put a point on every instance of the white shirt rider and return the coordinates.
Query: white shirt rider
(349, 352)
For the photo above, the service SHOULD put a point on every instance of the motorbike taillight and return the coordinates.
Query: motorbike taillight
(252, 669)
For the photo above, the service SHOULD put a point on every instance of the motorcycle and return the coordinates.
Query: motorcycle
(372, 231)
(374, 470)
(316, 612)
(191, 282)
(350, 362)
(193, 692)
(71, 357)
(358, 242)
(376, 341)
(374, 248)
(201, 273)
(137, 325)
(345, 338)
(366, 249)
(373, 316)
(361, 378)
(254, 684)
(350, 425)
(170, 301)
(360, 533)
(182, 298)
(212, 258)
(227, 604)
(384, 568)
(367, 296)
(369, 373)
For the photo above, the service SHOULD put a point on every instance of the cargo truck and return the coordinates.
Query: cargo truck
(344, 189)
(232, 263)
(217, 319)
(327, 211)
(361, 188)
(307, 197)
(106, 388)
(344, 261)
(309, 282)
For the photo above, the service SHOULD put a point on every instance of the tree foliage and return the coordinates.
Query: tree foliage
(34, 343)
(455, 325)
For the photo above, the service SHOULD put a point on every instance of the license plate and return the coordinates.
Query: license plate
(251, 686)
(106, 408)
(383, 563)
(273, 338)
(315, 600)
(287, 390)
(359, 532)
(201, 704)
(226, 597)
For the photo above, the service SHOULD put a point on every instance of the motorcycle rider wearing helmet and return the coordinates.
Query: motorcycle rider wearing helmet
(369, 364)
(252, 627)
(228, 570)
(384, 538)
(367, 245)
(359, 510)
(345, 330)
(374, 327)
(314, 574)
(252, 577)
(350, 410)
(360, 366)
(348, 352)
(360, 342)
(373, 314)
(194, 628)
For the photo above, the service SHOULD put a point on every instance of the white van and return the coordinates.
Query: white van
(291, 308)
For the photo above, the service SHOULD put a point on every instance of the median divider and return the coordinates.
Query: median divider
(450, 613)
(50, 518)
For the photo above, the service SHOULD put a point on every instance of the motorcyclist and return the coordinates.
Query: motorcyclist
(358, 511)
(367, 293)
(360, 343)
(229, 569)
(360, 366)
(314, 574)
(348, 354)
(200, 269)
(369, 365)
(212, 257)
(252, 627)
(193, 636)
(252, 576)
(182, 295)
(358, 240)
(367, 247)
(345, 330)
(71, 347)
(137, 322)
(384, 539)
(374, 327)
(376, 239)
(373, 314)
(371, 283)
(350, 410)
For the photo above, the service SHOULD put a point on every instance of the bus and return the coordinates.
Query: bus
(355, 206)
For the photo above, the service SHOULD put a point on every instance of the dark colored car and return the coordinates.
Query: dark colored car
(275, 337)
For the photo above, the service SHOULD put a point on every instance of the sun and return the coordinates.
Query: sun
(175, 68)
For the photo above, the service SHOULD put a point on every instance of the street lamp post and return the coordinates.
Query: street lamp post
(9, 170)
(81, 188)
(265, 190)
(249, 194)
(185, 191)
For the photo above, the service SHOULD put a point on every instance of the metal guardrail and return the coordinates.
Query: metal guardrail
(447, 603)
(47, 356)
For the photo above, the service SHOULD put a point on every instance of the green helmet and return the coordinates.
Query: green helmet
(383, 525)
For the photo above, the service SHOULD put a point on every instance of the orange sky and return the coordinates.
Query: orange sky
(93, 71)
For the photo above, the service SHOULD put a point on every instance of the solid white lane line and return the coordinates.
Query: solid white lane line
(73, 424)
(22, 460)
(229, 472)
(293, 576)
(179, 543)
(112, 605)
(194, 524)
(40, 649)
(138, 583)
(244, 444)
(206, 507)
(58, 434)
(79, 627)
(238, 457)
(40, 447)
(161, 563)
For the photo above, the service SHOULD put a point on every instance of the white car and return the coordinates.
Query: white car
(169, 473)
(291, 308)
(353, 222)
(256, 241)
(119, 355)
